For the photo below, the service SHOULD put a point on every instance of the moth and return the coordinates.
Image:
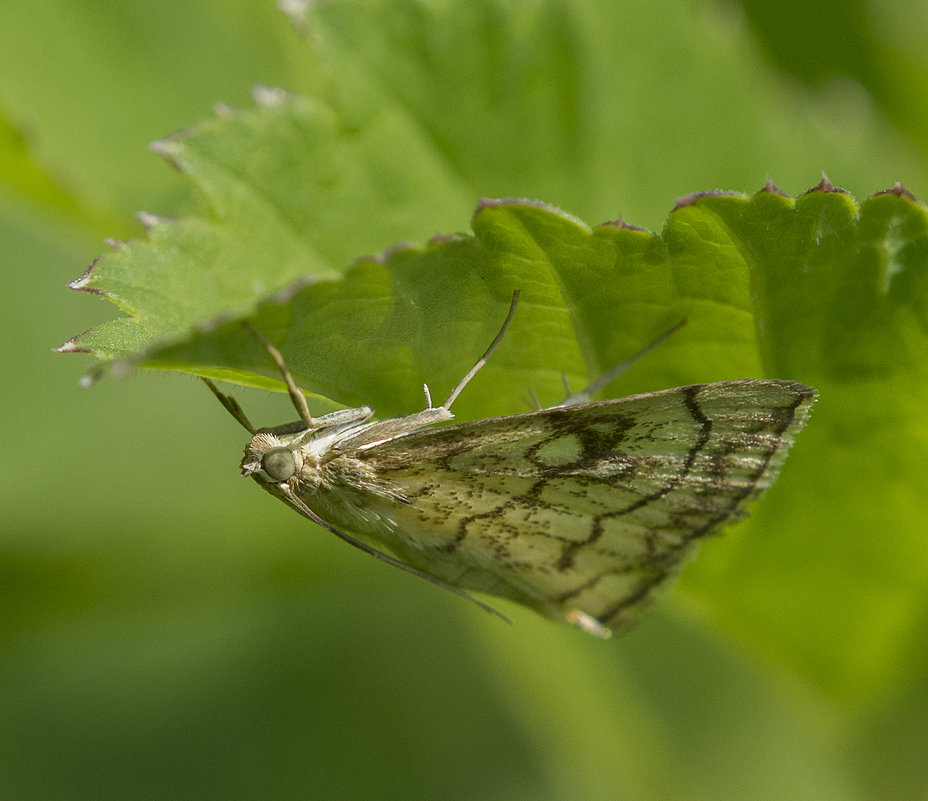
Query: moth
(581, 511)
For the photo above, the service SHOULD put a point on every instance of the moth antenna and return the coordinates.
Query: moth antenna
(231, 406)
(296, 395)
(621, 367)
(486, 354)
(428, 396)
(304, 510)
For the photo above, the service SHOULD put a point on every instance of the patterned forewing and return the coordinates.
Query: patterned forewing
(587, 507)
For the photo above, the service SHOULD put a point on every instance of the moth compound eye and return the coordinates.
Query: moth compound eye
(279, 464)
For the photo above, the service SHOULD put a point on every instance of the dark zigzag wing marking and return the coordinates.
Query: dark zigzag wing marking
(699, 483)
(781, 423)
(703, 429)
(778, 423)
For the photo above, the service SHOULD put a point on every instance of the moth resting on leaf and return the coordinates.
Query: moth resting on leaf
(580, 511)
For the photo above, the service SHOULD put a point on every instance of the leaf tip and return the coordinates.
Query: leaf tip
(827, 186)
(150, 221)
(269, 96)
(82, 284)
(620, 223)
(898, 190)
(71, 346)
(169, 148)
(770, 188)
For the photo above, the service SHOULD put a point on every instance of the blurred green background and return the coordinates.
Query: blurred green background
(169, 632)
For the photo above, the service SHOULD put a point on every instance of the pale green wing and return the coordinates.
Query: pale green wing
(585, 508)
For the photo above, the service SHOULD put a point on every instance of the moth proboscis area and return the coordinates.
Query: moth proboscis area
(581, 511)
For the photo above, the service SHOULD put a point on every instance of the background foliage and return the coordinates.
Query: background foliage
(167, 633)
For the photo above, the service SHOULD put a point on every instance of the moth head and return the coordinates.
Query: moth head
(271, 459)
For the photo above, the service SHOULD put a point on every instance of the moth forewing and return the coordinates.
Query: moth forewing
(586, 510)
(580, 511)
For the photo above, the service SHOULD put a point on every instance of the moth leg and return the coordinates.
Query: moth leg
(588, 623)
(586, 395)
(296, 394)
(231, 406)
